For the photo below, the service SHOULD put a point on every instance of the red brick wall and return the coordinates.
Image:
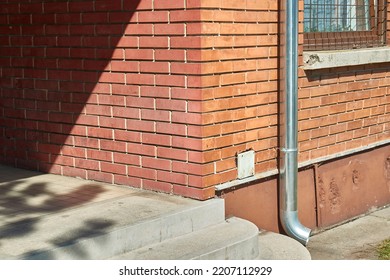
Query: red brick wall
(342, 108)
(239, 63)
(162, 95)
(104, 90)
(339, 109)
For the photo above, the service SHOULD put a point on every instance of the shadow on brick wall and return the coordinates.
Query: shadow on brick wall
(56, 79)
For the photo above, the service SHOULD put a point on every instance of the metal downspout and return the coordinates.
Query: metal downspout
(289, 123)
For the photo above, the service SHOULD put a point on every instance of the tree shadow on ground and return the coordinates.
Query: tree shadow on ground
(24, 206)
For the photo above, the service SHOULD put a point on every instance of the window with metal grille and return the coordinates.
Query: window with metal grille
(344, 24)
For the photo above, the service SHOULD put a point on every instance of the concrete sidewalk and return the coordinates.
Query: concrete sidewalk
(355, 240)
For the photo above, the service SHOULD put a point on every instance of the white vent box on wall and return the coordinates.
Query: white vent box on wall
(246, 164)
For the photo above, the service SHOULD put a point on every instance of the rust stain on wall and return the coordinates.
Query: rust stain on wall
(334, 196)
(387, 171)
(352, 186)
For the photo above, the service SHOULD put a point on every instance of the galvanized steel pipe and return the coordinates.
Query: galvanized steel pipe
(289, 123)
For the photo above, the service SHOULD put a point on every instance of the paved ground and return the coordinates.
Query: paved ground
(354, 240)
(27, 195)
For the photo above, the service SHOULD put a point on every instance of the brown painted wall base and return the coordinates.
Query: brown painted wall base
(328, 193)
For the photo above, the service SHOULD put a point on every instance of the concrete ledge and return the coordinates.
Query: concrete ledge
(235, 239)
(313, 60)
(274, 246)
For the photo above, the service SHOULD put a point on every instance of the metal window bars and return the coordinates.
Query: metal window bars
(344, 24)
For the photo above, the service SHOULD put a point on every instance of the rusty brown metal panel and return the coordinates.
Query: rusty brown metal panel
(352, 186)
(307, 198)
(338, 191)
(258, 202)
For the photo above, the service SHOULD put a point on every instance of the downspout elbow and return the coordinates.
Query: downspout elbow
(293, 227)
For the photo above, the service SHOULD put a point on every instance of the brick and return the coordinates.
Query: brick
(172, 129)
(140, 79)
(109, 29)
(167, 55)
(110, 145)
(156, 163)
(140, 125)
(154, 67)
(171, 177)
(141, 54)
(191, 42)
(170, 153)
(186, 15)
(105, 54)
(160, 92)
(185, 68)
(113, 168)
(81, 29)
(100, 132)
(140, 102)
(171, 80)
(101, 41)
(201, 194)
(126, 159)
(100, 155)
(124, 66)
(157, 186)
(86, 164)
(106, 77)
(96, 17)
(142, 172)
(102, 5)
(187, 118)
(138, 5)
(130, 136)
(156, 115)
(154, 17)
(170, 29)
(99, 176)
(172, 105)
(94, 65)
(139, 29)
(123, 112)
(128, 89)
(111, 100)
(122, 17)
(156, 139)
(92, 109)
(86, 142)
(135, 148)
(154, 42)
(187, 143)
(127, 181)
(73, 151)
(55, 7)
(169, 5)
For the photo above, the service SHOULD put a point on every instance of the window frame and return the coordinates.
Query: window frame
(376, 37)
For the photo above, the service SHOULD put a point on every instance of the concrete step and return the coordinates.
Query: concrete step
(107, 228)
(274, 246)
(235, 239)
